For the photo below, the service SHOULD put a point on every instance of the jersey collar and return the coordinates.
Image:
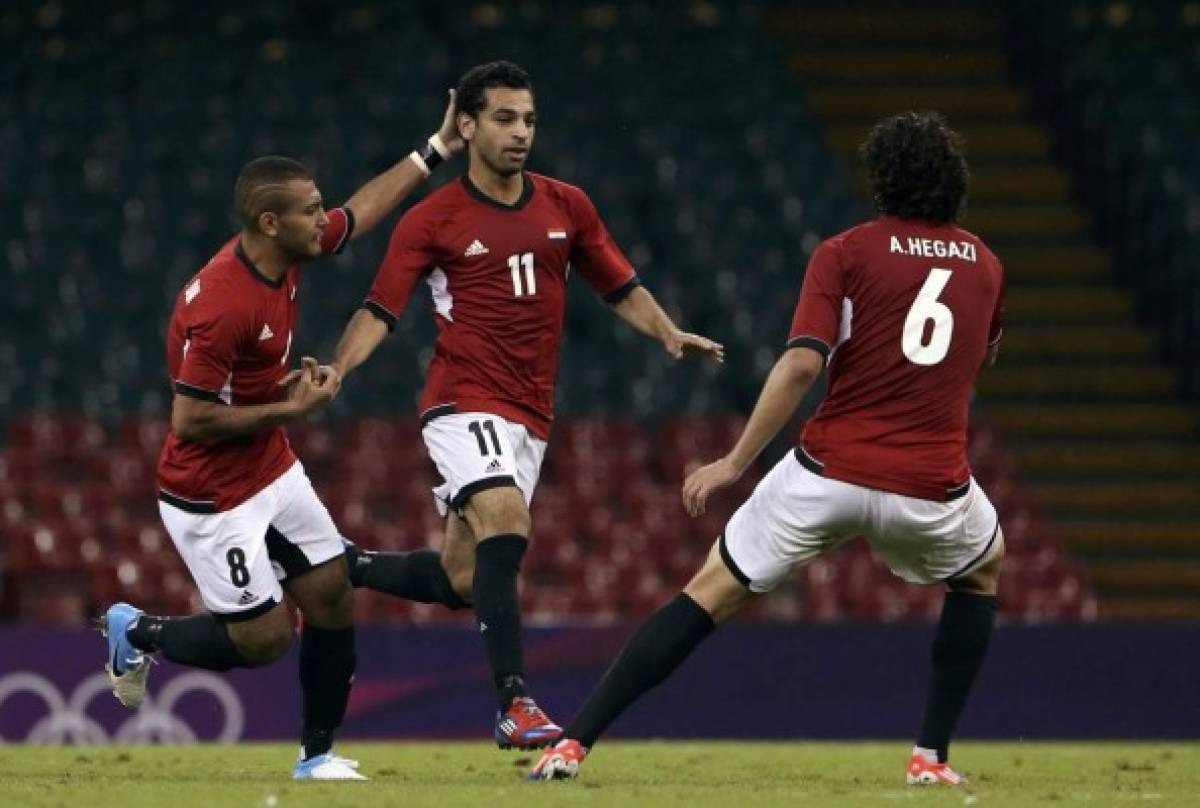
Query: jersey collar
(522, 201)
(255, 271)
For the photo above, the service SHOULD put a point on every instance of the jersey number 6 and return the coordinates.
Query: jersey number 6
(925, 309)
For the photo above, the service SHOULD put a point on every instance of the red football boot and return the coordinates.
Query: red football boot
(559, 762)
(925, 772)
(525, 726)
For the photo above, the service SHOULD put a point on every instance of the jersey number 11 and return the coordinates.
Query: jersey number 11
(515, 264)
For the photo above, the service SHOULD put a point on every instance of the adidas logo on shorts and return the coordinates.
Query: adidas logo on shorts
(493, 468)
(247, 598)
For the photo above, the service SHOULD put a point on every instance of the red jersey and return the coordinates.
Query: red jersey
(498, 278)
(904, 311)
(228, 341)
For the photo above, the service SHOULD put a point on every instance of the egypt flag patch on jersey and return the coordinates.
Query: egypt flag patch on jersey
(556, 235)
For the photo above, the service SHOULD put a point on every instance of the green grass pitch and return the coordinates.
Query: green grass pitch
(626, 774)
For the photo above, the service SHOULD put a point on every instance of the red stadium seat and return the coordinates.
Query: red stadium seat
(143, 435)
(56, 436)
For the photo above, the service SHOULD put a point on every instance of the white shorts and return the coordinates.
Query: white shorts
(238, 557)
(794, 515)
(474, 451)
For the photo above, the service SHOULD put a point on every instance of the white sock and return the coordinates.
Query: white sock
(930, 755)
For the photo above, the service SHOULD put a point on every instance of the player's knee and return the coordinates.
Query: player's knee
(332, 606)
(715, 589)
(509, 518)
(984, 579)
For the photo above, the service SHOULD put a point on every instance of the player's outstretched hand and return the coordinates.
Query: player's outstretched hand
(705, 481)
(449, 129)
(681, 343)
(312, 386)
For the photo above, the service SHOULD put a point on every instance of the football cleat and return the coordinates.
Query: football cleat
(346, 761)
(127, 667)
(326, 767)
(525, 726)
(925, 772)
(559, 762)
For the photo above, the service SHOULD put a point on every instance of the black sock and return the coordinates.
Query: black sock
(498, 610)
(662, 643)
(198, 640)
(327, 662)
(963, 634)
(417, 576)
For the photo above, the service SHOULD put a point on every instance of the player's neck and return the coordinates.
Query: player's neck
(505, 190)
(268, 260)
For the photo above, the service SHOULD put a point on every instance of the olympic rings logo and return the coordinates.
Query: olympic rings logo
(67, 720)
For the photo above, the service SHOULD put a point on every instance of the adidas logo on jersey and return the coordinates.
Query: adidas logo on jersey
(494, 468)
(267, 333)
(247, 598)
(475, 249)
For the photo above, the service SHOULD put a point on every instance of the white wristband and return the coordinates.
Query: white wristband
(416, 158)
(439, 146)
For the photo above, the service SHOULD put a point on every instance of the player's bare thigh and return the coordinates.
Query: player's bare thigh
(497, 510)
(263, 639)
(716, 590)
(984, 579)
(323, 594)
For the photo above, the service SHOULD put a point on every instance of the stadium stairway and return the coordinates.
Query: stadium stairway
(1089, 411)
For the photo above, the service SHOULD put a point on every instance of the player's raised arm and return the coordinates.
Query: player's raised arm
(811, 340)
(379, 197)
(409, 255)
(641, 310)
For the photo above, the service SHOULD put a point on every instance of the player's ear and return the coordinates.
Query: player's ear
(268, 223)
(466, 126)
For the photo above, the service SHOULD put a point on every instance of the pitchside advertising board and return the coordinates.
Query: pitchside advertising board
(753, 681)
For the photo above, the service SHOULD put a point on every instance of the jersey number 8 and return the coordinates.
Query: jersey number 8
(927, 308)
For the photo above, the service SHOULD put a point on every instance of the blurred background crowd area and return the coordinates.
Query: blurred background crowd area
(718, 141)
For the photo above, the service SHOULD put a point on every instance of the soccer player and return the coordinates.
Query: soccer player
(236, 501)
(906, 310)
(495, 249)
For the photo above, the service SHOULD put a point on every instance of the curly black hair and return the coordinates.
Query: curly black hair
(916, 167)
(470, 92)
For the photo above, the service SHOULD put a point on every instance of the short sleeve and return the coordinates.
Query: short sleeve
(996, 329)
(818, 312)
(215, 335)
(337, 233)
(595, 255)
(409, 255)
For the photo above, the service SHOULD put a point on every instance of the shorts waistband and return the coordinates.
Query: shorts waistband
(817, 467)
(437, 411)
(188, 505)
